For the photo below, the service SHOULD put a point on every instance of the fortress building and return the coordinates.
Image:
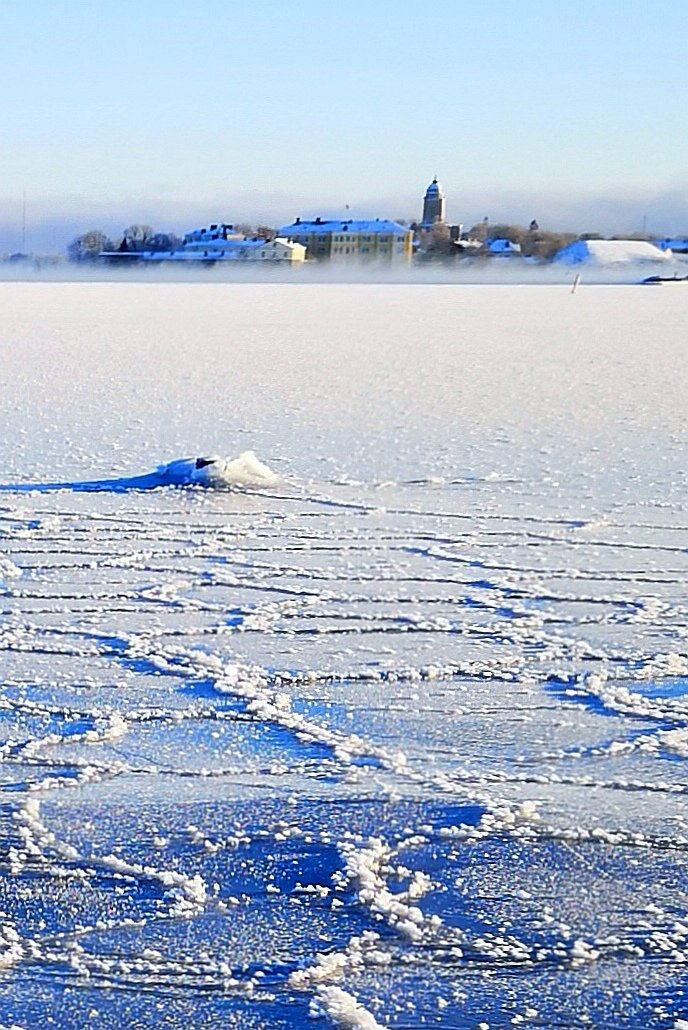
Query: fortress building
(351, 239)
(433, 205)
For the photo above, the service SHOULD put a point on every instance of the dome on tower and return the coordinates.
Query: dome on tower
(433, 189)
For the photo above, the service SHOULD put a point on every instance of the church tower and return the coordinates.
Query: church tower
(433, 204)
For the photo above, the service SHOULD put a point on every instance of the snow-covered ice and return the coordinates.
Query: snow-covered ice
(374, 711)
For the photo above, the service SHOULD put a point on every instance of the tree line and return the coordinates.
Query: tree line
(137, 238)
(438, 244)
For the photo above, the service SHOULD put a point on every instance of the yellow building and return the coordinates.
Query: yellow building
(351, 239)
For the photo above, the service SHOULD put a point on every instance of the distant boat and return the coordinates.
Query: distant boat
(656, 280)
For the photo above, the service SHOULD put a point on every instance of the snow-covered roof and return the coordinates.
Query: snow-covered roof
(679, 243)
(611, 252)
(325, 226)
(228, 245)
(215, 231)
(502, 246)
(283, 242)
(198, 250)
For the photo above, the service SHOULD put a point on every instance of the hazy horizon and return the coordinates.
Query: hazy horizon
(50, 229)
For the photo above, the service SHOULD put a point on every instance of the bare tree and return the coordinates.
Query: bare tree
(138, 237)
(644, 237)
(164, 241)
(506, 231)
(544, 245)
(89, 246)
(480, 231)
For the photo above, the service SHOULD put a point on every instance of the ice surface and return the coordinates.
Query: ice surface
(386, 727)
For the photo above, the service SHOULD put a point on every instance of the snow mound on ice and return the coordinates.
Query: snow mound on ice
(216, 472)
(212, 472)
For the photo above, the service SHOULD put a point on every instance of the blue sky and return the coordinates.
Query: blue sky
(175, 112)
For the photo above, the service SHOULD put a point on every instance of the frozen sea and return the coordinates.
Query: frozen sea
(387, 724)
